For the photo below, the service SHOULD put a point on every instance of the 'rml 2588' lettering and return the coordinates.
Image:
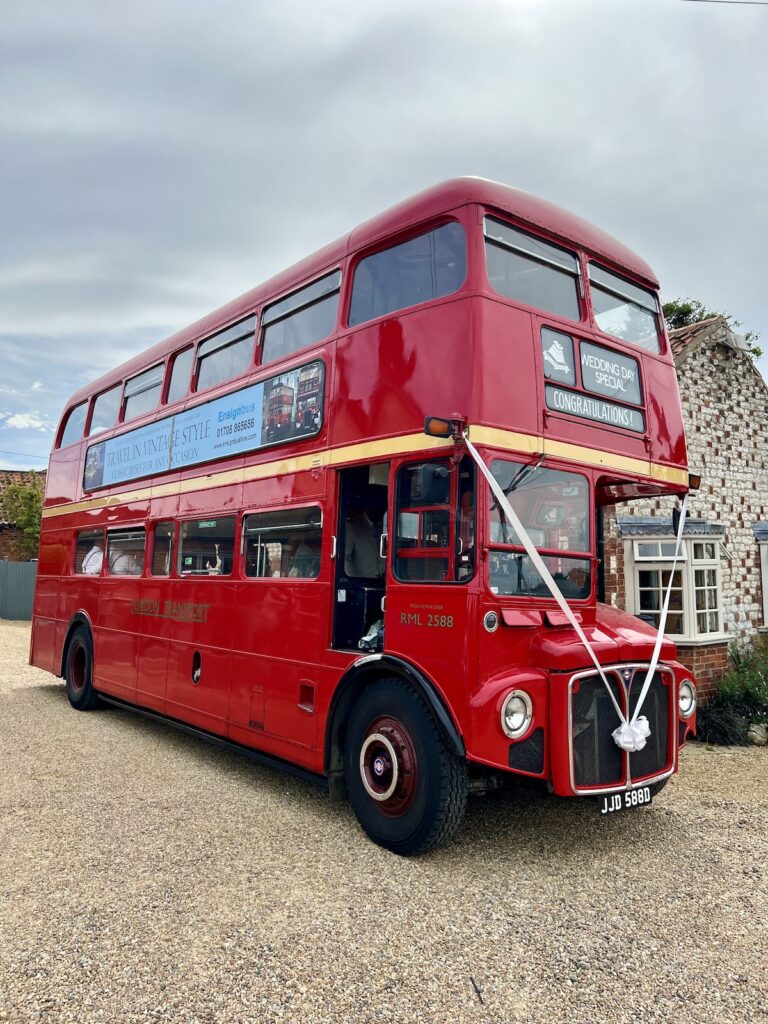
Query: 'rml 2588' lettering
(414, 619)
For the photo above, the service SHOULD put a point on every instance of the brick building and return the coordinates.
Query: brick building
(720, 587)
(8, 532)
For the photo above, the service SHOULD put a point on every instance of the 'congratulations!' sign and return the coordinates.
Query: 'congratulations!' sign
(594, 409)
(275, 410)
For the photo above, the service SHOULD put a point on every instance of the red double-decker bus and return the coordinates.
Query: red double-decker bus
(249, 531)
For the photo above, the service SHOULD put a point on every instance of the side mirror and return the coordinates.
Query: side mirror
(435, 426)
(439, 426)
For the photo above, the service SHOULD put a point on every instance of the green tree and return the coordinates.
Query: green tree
(684, 312)
(22, 505)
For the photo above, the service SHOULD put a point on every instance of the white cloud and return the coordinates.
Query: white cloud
(27, 421)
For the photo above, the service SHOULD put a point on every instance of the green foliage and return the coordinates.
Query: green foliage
(720, 724)
(741, 699)
(22, 505)
(684, 312)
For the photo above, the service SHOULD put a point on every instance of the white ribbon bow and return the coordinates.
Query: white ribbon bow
(632, 735)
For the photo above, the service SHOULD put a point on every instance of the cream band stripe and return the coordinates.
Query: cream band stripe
(495, 437)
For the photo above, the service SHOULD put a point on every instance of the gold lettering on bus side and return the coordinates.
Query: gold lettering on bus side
(428, 619)
(176, 611)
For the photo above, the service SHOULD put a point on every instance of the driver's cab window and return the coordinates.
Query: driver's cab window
(435, 527)
(554, 507)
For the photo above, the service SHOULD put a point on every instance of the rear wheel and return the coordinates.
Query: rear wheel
(407, 788)
(78, 670)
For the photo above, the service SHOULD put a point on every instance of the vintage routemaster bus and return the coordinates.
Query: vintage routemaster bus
(249, 531)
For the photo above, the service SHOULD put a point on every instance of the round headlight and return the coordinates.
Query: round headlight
(686, 700)
(516, 714)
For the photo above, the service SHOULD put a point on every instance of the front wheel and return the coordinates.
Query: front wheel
(407, 788)
(78, 670)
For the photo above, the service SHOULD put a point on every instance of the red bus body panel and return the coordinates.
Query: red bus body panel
(269, 670)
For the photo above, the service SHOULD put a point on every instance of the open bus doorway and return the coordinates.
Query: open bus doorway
(361, 565)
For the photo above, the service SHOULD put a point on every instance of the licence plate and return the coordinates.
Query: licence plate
(626, 801)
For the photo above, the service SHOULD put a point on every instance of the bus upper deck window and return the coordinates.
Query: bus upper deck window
(226, 355)
(426, 267)
(142, 393)
(73, 428)
(624, 309)
(302, 318)
(532, 271)
(105, 410)
(181, 372)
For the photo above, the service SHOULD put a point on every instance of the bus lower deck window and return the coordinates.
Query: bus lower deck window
(89, 552)
(125, 552)
(162, 550)
(283, 544)
(206, 547)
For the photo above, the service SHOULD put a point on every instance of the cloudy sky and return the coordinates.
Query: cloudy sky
(159, 158)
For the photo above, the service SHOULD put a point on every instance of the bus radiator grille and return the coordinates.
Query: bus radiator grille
(597, 760)
(652, 759)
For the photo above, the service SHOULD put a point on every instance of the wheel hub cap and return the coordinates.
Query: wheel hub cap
(388, 767)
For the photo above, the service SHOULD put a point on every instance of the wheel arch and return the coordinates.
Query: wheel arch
(80, 618)
(361, 674)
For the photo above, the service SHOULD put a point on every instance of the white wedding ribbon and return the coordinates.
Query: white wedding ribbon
(631, 733)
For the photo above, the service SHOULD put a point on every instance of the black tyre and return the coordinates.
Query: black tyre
(407, 788)
(78, 670)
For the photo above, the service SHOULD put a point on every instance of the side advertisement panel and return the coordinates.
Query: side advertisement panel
(275, 410)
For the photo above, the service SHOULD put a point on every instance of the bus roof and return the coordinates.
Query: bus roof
(449, 195)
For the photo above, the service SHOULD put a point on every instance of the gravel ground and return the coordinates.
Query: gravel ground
(146, 877)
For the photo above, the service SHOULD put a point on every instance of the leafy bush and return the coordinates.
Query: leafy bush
(742, 698)
(718, 722)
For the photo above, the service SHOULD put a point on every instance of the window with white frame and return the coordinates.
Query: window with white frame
(763, 548)
(695, 603)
